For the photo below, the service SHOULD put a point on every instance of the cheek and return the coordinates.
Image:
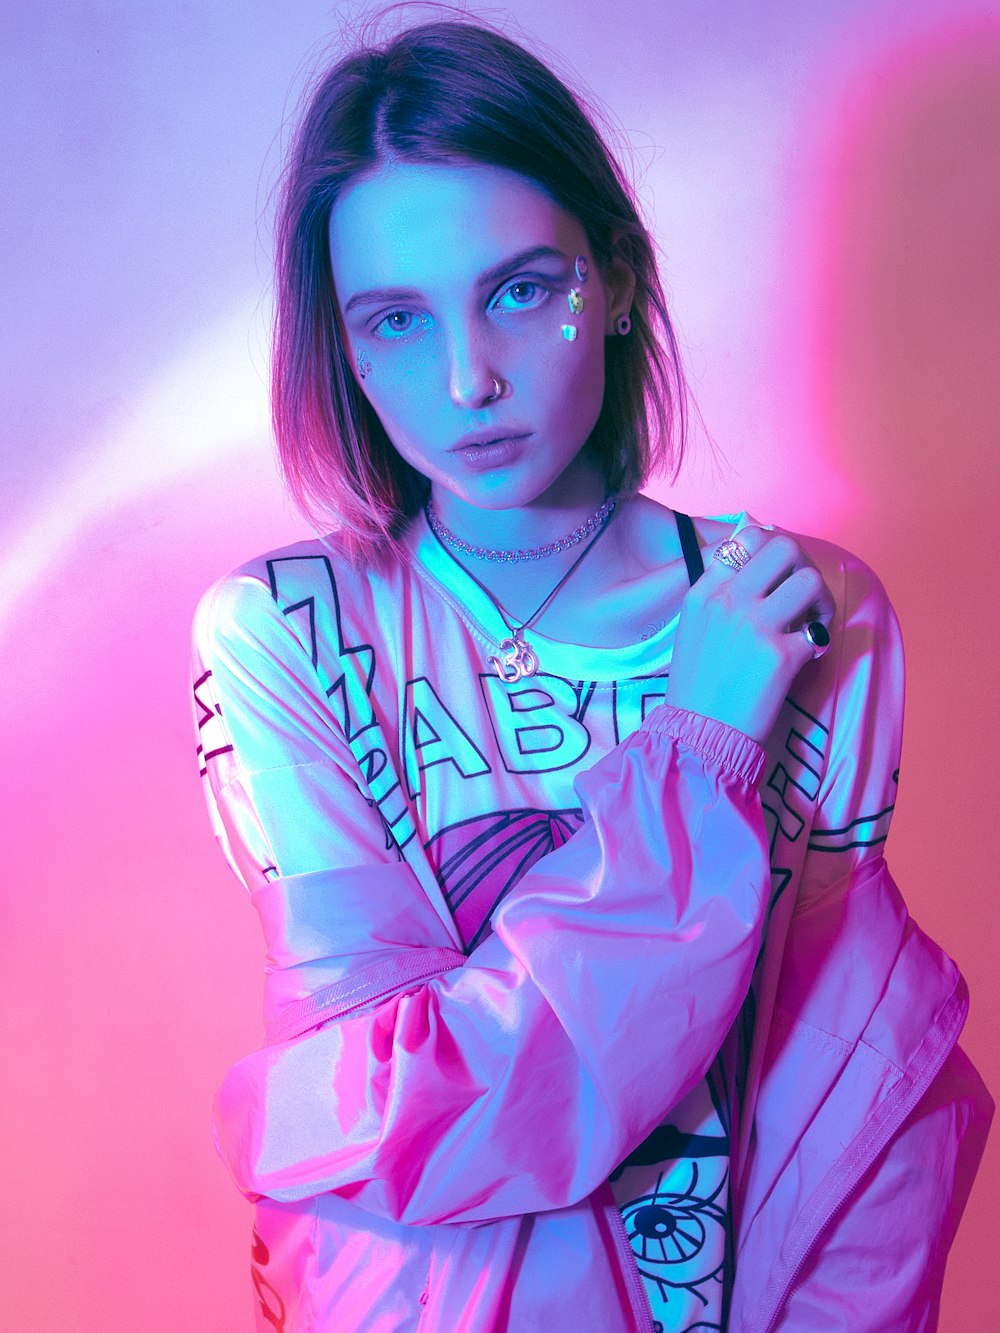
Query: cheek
(569, 379)
(400, 398)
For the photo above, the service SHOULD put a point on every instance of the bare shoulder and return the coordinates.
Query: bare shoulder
(656, 540)
(711, 531)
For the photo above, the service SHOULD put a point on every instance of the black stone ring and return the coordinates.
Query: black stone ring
(818, 635)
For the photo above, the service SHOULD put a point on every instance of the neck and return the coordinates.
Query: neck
(554, 514)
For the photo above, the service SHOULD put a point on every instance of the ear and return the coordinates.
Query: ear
(619, 282)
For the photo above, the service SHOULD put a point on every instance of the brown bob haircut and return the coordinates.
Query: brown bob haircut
(447, 91)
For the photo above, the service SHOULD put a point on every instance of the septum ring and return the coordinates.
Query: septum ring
(732, 553)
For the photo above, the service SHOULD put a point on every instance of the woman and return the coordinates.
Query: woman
(590, 999)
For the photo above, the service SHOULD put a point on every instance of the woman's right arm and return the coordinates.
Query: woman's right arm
(516, 1080)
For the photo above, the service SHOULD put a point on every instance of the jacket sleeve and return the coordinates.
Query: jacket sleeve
(878, 1265)
(514, 1079)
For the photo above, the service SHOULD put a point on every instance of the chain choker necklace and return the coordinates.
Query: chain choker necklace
(521, 659)
(512, 557)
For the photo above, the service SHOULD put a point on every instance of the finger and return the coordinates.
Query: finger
(777, 559)
(801, 597)
(823, 607)
(774, 560)
(751, 539)
(807, 642)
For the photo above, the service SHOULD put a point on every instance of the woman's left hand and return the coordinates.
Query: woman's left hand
(741, 638)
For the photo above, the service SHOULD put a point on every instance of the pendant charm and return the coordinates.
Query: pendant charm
(519, 662)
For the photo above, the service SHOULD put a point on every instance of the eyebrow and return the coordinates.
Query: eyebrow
(378, 295)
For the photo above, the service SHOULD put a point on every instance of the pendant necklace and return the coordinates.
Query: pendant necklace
(521, 658)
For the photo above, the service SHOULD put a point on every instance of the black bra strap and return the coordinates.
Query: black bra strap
(690, 547)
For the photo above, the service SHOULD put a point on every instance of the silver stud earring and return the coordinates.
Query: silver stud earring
(624, 326)
(364, 364)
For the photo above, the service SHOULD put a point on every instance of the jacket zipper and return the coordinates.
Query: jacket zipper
(637, 1292)
(878, 1140)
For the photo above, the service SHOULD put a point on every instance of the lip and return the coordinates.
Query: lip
(478, 438)
(495, 453)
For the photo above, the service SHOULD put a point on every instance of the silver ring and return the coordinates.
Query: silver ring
(497, 388)
(818, 635)
(732, 553)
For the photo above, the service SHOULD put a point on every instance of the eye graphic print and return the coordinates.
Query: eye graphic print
(668, 1232)
(666, 1235)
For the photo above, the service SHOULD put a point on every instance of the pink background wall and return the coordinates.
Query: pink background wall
(825, 181)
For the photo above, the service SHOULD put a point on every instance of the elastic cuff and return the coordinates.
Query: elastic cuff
(716, 741)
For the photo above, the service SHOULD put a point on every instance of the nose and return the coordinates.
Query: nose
(472, 378)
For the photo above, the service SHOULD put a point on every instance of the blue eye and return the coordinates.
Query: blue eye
(522, 294)
(396, 324)
(525, 294)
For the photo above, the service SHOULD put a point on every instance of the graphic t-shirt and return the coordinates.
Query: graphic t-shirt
(673, 1194)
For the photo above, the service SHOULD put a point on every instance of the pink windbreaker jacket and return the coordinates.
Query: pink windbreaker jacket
(430, 1125)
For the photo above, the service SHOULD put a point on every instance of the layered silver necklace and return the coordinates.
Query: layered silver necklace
(521, 658)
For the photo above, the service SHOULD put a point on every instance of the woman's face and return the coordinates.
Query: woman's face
(451, 276)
